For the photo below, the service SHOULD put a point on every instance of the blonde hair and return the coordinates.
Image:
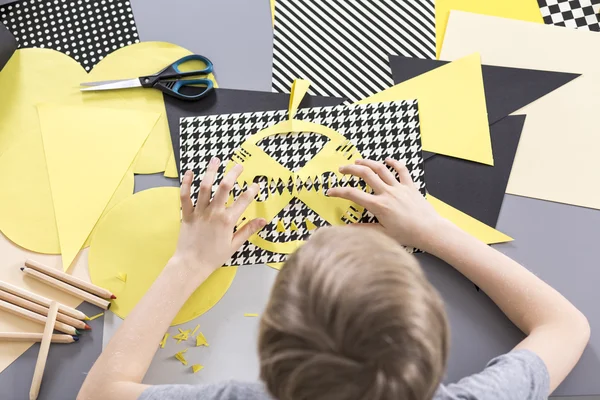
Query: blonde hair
(352, 316)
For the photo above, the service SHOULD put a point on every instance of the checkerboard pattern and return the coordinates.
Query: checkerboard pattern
(577, 14)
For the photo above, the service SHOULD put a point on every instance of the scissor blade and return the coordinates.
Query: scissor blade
(125, 84)
(100, 83)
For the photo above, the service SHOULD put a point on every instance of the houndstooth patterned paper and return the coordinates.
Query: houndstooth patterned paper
(578, 14)
(377, 131)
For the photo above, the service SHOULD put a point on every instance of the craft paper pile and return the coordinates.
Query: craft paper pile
(556, 159)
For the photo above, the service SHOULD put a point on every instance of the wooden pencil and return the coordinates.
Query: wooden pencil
(40, 364)
(35, 317)
(70, 279)
(36, 298)
(35, 337)
(31, 306)
(65, 287)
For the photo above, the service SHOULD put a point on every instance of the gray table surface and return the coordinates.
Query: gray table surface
(557, 242)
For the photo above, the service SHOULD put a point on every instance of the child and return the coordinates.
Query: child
(351, 314)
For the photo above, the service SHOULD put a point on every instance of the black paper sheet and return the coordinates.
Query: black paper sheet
(506, 89)
(227, 101)
(473, 188)
(8, 45)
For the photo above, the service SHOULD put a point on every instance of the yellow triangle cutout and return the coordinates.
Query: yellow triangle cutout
(452, 109)
(468, 224)
(309, 225)
(88, 151)
(280, 227)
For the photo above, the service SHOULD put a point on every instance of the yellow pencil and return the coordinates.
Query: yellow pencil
(36, 298)
(70, 279)
(40, 364)
(31, 306)
(35, 337)
(35, 317)
(65, 287)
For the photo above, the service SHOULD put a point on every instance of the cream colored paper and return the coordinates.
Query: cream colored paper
(557, 159)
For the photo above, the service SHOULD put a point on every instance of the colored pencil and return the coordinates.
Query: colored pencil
(40, 364)
(36, 298)
(70, 279)
(35, 317)
(65, 287)
(35, 337)
(31, 306)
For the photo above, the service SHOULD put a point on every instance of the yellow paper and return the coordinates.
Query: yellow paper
(87, 159)
(171, 167)
(273, 11)
(201, 340)
(163, 342)
(468, 224)
(197, 367)
(525, 10)
(452, 109)
(557, 158)
(250, 315)
(94, 317)
(27, 211)
(310, 225)
(298, 91)
(137, 237)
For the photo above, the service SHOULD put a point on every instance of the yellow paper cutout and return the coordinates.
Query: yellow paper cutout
(138, 236)
(273, 11)
(171, 167)
(250, 315)
(122, 277)
(195, 330)
(94, 317)
(197, 367)
(280, 226)
(201, 340)
(297, 93)
(309, 225)
(34, 76)
(293, 227)
(180, 356)
(87, 159)
(525, 10)
(276, 266)
(163, 342)
(452, 109)
(468, 224)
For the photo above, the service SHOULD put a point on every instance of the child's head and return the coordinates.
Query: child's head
(353, 316)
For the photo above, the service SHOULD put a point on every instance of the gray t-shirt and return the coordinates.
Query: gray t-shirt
(519, 375)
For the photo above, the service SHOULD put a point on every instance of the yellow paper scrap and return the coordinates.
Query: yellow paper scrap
(468, 224)
(452, 109)
(122, 276)
(197, 367)
(297, 93)
(273, 11)
(525, 10)
(250, 315)
(195, 329)
(293, 226)
(87, 159)
(310, 225)
(280, 227)
(128, 241)
(180, 356)
(94, 317)
(201, 340)
(163, 342)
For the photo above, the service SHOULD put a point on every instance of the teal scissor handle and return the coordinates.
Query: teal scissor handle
(199, 87)
(170, 80)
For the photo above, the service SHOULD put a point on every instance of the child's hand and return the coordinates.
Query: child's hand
(400, 208)
(207, 239)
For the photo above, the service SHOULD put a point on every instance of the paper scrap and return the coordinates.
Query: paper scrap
(280, 226)
(163, 342)
(197, 367)
(87, 159)
(525, 10)
(560, 138)
(122, 276)
(180, 356)
(94, 317)
(201, 340)
(195, 329)
(250, 315)
(309, 225)
(128, 241)
(452, 109)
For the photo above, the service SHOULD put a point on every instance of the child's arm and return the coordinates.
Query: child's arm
(556, 331)
(206, 241)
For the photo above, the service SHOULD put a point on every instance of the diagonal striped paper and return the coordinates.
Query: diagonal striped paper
(342, 46)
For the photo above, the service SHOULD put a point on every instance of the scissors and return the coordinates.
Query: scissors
(170, 81)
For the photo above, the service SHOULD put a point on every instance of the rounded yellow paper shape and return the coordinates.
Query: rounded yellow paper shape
(135, 240)
(27, 212)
